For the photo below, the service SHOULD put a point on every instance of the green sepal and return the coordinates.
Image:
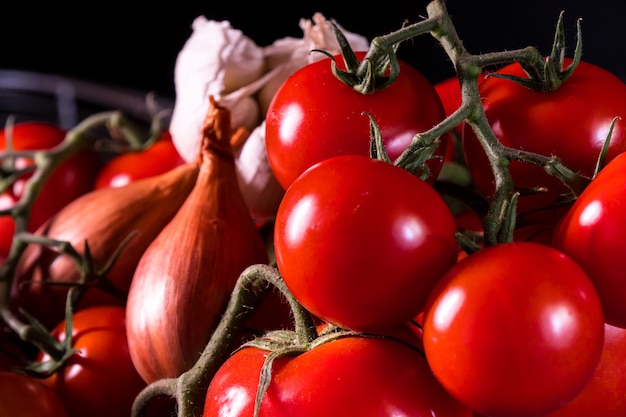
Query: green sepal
(548, 75)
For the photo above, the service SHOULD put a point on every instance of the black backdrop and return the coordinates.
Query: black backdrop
(112, 43)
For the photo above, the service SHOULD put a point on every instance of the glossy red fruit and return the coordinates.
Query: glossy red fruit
(131, 166)
(592, 233)
(514, 330)
(571, 122)
(350, 376)
(361, 242)
(314, 116)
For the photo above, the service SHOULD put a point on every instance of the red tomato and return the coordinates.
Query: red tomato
(351, 376)
(592, 234)
(100, 379)
(515, 329)
(361, 242)
(605, 394)
(572, 123)
(314, 116)
(73, 178)
(25, 396)
(131, 166)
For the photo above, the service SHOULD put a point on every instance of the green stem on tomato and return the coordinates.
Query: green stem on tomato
(499, 219)
(189, 389)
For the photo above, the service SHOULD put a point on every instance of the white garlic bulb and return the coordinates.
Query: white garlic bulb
(216, 59)
(221, 61)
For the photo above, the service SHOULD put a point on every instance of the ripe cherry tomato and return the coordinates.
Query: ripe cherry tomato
(100, 379)
(350, 376)
(361, 242)
(26, 396)
(592, 234)
(515, 329)
(74, 177)
(314, 116)
(604, 394)
(131, 166)
(571, 122)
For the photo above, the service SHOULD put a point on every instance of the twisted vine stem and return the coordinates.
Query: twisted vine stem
(189, 389)
(543, 73)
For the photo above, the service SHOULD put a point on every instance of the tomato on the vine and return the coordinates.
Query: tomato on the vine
(515, 329)
(314, 116)
(25, 396)
(592, 233)
(571, 123)
(71, 179)
(361, 242)
(99, 379)
(159, 158)
(348, 376)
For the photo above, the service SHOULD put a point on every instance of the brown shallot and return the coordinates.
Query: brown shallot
(185, 277)
(124, 219)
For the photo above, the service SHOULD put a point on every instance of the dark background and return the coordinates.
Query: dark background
(119, 44)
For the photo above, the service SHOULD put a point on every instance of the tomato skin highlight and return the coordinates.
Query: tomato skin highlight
(314, 116)
(361, 242)
(131, 166)
(514, 330)
(592, 233)
(350, 376)
(571, 122)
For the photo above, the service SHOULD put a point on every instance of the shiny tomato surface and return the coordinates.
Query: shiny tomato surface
(314, 116)
(350, 376)
(514, 330)
(571, 122)
(361, 242)
(592, 233)
(157, 159)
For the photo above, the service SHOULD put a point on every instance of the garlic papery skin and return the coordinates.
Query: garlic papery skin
(259, 187)
(216, 59)
(208, 66)
(290, 54)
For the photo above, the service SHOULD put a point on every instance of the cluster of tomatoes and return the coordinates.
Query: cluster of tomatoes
(99, 379)
(533, 326)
